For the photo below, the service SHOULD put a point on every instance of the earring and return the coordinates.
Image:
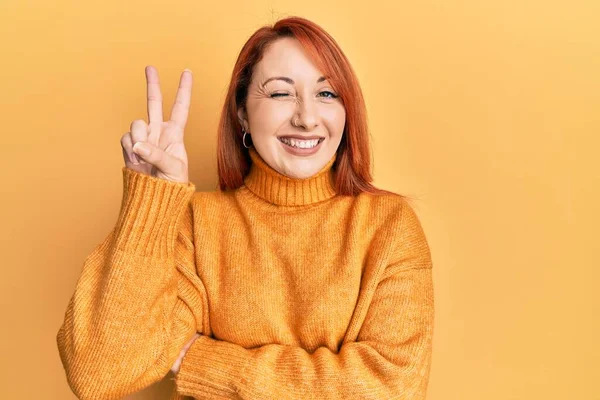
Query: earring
(244, 139)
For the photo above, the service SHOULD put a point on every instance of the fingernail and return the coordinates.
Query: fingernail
(134, 159)
(188, 70)
(141, 149)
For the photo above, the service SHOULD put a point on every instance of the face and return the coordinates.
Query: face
(298, 104)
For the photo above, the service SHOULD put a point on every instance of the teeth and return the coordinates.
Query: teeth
(303, 144)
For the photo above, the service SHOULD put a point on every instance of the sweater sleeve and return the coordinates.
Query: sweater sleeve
(390, 359)
(138, 298)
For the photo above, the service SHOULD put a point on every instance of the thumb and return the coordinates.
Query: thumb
(156, 156)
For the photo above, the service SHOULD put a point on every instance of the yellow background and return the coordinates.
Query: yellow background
(487, 111)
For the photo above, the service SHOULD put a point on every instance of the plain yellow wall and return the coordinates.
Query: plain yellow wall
(487, 111)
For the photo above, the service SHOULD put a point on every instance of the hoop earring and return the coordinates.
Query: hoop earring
(244, 139)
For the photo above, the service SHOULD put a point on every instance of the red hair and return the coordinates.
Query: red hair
(353, 162)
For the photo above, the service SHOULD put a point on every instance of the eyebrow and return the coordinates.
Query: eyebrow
(289, 80)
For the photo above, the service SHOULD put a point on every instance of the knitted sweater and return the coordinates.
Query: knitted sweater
(297, 292)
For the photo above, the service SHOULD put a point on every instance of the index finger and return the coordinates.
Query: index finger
(155, 112)
(181, 108)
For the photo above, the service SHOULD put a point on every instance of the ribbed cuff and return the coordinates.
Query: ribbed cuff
(212, 368)
(150, 211)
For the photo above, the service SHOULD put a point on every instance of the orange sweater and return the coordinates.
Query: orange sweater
(298, 293)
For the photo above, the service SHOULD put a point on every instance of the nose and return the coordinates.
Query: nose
(307, 115)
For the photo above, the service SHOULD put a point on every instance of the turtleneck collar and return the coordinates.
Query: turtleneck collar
(277, 188)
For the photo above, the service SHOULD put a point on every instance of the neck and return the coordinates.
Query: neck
(277, 188)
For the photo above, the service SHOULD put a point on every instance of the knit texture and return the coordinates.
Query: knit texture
(297, 292)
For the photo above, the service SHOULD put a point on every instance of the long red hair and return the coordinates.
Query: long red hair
(353, 162)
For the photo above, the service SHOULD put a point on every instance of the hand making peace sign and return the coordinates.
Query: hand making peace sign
(166, 157)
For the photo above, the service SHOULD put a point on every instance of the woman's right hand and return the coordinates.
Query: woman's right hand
(167, 158)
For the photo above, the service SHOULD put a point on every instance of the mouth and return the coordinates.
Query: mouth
(301, 147)
(301, 142)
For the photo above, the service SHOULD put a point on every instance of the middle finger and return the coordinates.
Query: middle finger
(155, 112)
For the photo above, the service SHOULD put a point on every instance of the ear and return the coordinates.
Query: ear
(243, 118)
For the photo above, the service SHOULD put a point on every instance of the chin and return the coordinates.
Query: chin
(302, 169)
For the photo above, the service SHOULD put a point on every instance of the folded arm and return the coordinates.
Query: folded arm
(390, 360)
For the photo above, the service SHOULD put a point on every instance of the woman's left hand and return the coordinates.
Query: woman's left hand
(177, 364)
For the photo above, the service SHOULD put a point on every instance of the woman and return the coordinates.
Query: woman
(295, 279)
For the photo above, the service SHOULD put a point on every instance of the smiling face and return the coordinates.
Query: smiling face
(297, 103)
